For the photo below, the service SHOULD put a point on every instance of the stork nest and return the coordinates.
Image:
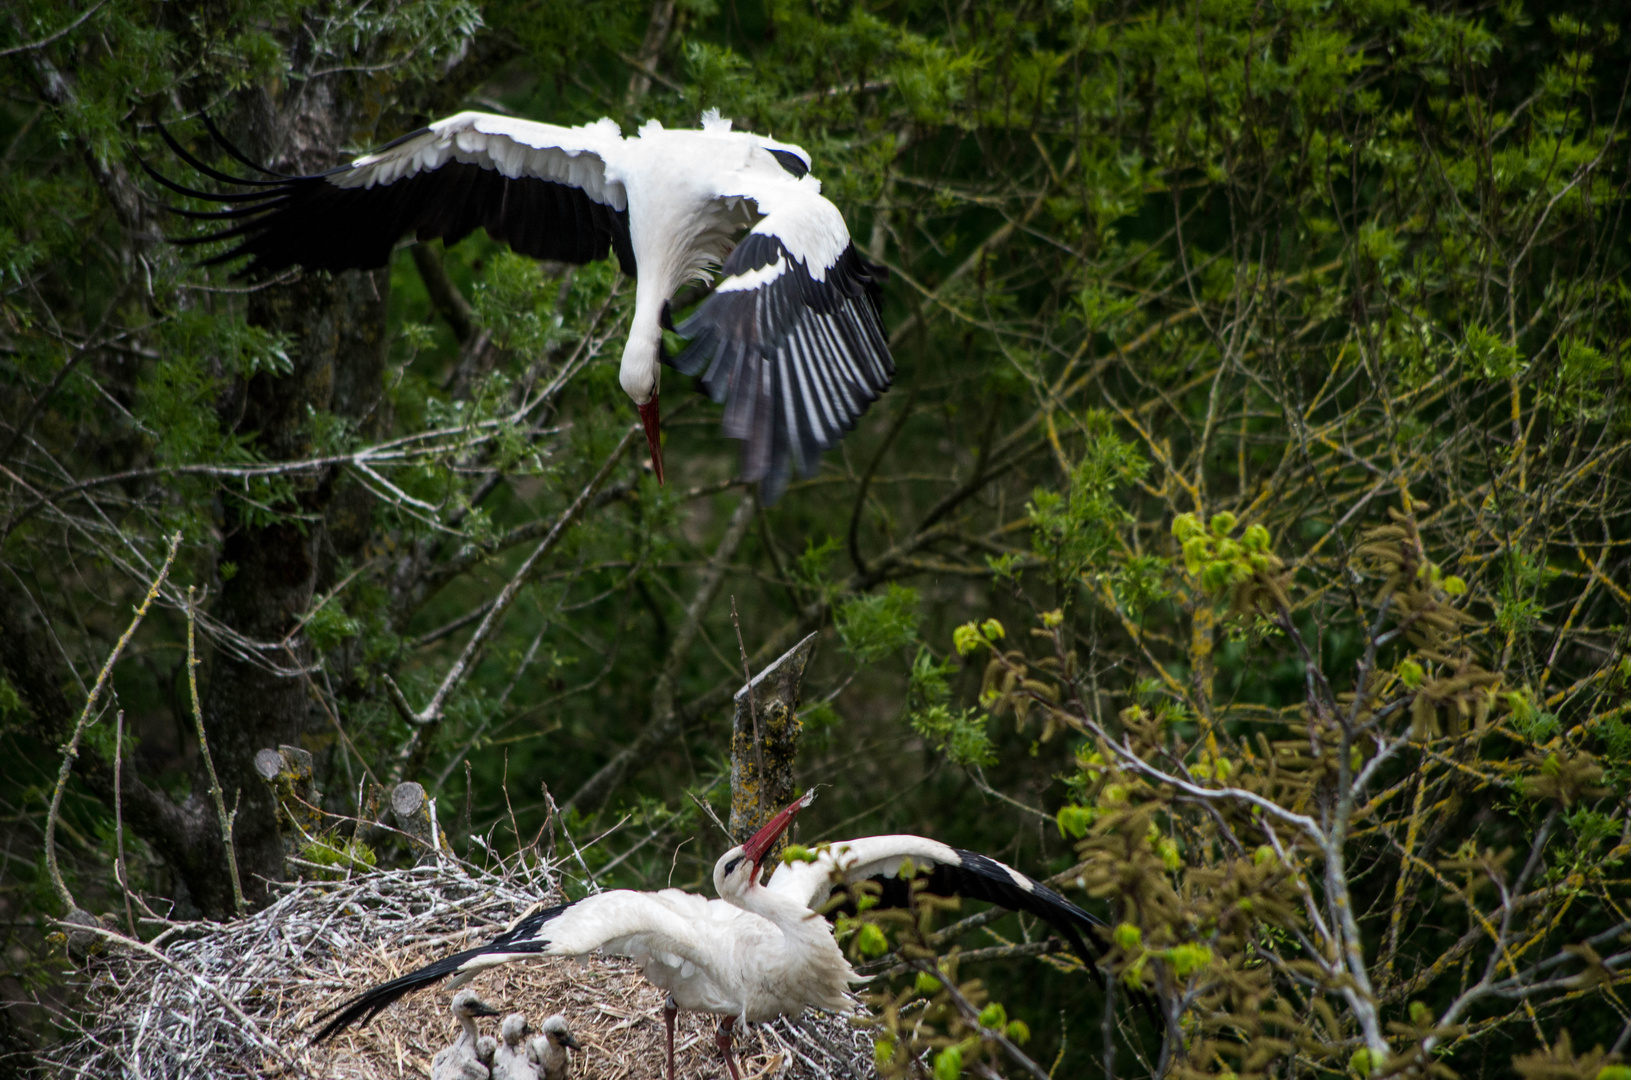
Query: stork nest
(239, 998)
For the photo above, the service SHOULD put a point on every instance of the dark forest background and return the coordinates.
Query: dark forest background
(1260, 431)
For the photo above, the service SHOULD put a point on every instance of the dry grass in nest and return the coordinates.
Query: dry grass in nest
(239, 998)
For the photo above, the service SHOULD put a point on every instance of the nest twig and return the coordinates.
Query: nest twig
(238, 998)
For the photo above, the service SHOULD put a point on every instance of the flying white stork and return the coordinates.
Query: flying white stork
(759, 952)
(791, 338)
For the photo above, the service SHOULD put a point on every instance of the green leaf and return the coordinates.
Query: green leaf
(871, 941)
(875, 626)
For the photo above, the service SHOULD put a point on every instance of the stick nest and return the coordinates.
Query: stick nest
(239, 998)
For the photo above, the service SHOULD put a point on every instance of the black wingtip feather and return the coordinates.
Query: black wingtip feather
(313, 222)
(214, 174)
(1001, 887)
(226, 144)
(371, 1003)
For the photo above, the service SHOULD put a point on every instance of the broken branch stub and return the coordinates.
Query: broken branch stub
(289, 770)
(412, 809)
(776, 691)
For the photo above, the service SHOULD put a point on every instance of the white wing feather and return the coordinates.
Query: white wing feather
(796, 213)
(845, 861)
(574, 156)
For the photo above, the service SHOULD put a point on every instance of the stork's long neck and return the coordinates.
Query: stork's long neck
(638, 373)
(800, 926)
(468, 1024)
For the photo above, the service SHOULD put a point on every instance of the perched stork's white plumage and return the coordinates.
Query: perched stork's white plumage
(760, 951)
(791, 338)
(464, 1060)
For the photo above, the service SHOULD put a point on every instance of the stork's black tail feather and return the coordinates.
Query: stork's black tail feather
(521, 939)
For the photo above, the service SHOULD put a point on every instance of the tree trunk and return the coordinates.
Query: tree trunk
(337, 327)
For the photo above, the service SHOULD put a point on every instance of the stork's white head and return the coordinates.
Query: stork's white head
(737, 871)
(557, 1032)
(514, 1029)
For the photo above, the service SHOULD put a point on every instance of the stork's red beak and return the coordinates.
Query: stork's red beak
(654, 435)
(765, 838)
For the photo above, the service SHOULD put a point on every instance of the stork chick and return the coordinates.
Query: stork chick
(462, 1060)
(548, 1051)
(511, 1061)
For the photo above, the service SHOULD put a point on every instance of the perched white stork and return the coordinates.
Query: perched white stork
(759, 952)
(463, 1060)
(548, 1051)
(791, 338)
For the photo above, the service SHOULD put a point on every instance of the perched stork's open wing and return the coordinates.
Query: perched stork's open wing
(667, 929)
(539, 188)
(792, 336)
(950, 872)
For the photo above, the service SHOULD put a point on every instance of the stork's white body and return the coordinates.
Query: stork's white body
(657, 171)
(759, 956)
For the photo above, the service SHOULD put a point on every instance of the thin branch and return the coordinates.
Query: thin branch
(431, 714)
(71, 751)
(56, 35)
(971, 1016)
(209, 764)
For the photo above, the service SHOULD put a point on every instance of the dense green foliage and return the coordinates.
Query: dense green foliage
(1246, 539)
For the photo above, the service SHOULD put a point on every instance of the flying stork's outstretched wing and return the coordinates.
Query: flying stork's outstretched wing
(539, 188)
(950, 872)
(792, 337)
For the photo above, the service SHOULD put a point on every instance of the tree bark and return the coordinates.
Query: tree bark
(764, 743)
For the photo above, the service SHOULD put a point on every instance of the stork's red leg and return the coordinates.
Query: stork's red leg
(723, 1041)
(669, 1011)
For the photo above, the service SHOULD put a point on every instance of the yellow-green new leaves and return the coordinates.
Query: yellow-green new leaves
(879, 624)
(1245, 569)
(871, 941)
(1188, 959)
(968, 637)
(1073, 820)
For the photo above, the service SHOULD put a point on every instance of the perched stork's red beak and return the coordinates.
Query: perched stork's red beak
(654, 435)
(765, 838)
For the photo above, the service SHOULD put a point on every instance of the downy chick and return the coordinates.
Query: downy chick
(511, 1062)
(462, 1060)
(548, 1051)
